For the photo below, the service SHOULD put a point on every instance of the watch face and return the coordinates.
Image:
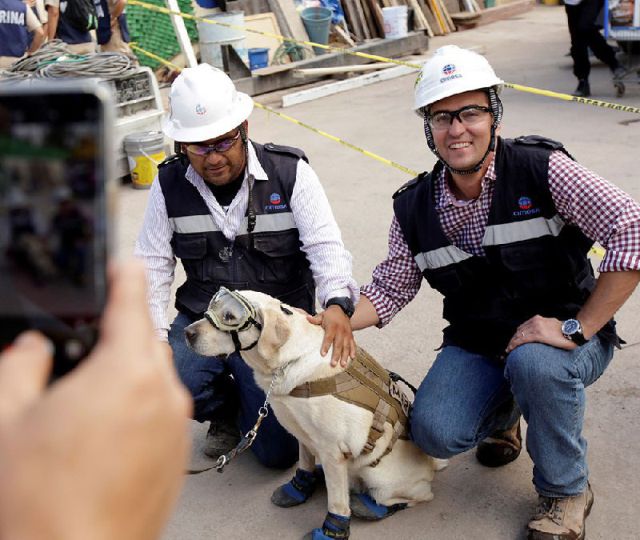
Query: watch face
(570, 326)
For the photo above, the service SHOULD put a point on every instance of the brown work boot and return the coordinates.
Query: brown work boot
(501, 447)
(561, 519)
(222, 437)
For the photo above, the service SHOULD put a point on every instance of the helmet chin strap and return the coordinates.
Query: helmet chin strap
(496, 110)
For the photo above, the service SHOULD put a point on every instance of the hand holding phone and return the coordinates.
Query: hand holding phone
(54, 220)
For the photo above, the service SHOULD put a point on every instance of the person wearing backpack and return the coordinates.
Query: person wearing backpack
(64, 24)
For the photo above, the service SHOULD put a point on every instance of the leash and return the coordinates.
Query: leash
(248, 438)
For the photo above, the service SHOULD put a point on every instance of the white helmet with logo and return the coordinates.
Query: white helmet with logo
(204, 104)
(450, 71)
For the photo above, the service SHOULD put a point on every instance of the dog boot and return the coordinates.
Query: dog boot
(364, 507)
(334, 526)
(297, 490)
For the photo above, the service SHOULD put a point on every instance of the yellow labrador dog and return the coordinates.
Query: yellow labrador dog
(352, 420)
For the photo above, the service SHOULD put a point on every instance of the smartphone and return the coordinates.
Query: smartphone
(56, 190)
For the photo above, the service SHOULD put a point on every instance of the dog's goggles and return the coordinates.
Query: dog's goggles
(232, 313)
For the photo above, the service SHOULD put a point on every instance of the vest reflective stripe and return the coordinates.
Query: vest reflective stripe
(205, 223)
(439, 258)
(508, 233)
(193, 224)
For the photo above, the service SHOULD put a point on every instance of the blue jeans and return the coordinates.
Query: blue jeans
(466, 396)
(226, 388)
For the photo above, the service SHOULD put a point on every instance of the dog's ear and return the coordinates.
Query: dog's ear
(275, 333)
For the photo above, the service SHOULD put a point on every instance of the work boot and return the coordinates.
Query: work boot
(222, 437)
(583, 89)
(501, 447)
(561, 518)
(619, 73)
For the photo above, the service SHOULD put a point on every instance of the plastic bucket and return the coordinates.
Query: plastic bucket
(214, 35)
(317, 22)
(395, 21)
(145, 151)
(258, 58)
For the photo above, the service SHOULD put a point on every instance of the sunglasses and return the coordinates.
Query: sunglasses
(467, 116)
(220, 146)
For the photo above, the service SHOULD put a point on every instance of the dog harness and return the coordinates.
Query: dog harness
(367, 384)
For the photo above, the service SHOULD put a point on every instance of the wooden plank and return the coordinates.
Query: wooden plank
(342, 86)
(376, 11)
(431, 21)
(353, 19)
(363, 20)
(368, 16)
(334, 70)
(263, 22)
(293, 19)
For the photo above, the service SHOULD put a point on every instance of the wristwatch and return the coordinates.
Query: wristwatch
(572, 330)
(344, 302)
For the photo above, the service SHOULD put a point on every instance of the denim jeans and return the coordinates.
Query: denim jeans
(465, 397)
(226, 388)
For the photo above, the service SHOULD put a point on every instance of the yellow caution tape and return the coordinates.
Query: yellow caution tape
(567, 97)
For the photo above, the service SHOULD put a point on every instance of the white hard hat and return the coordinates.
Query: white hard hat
(204, 104)
(450, 71)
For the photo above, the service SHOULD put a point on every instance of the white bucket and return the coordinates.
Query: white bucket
(395, 21)
(145, 151)
(214, 35)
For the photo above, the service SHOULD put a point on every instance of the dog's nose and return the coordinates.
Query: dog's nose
(190, 334)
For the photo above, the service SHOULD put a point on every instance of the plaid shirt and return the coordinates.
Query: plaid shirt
(602, 211)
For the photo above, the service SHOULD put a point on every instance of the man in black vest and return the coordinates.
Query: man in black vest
(241, 215)
(502, 229)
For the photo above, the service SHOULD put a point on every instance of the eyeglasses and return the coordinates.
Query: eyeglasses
(467, 116)
(223, 145)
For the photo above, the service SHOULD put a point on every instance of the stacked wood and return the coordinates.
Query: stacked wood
(364, 18)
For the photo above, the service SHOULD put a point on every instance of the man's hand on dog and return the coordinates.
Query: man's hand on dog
(337, 332)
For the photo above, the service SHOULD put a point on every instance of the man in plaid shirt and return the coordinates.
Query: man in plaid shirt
(502, 229)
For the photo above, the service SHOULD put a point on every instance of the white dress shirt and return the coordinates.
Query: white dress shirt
(319, 233)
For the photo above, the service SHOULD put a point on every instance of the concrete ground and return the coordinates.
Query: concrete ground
(470, 501)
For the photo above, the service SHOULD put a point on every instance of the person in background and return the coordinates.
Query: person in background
(241, 215)
(101, 452)
(17, 22)
(112, 32)
(585, 34)
(502, 229)
(78, 41)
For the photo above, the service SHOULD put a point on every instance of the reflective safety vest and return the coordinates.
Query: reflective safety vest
(534, 262)
(367, 384)
(14, 36)
(269, 260)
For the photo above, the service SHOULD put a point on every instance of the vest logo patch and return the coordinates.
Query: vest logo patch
(275, 201)
(525, 205)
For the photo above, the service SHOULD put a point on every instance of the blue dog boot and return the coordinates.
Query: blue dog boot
(334, 527)
(364, 507)
(296, 491)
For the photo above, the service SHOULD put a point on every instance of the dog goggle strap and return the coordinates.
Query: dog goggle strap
(235, 307)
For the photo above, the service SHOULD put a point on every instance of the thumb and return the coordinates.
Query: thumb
(24, 371)
(315, 319)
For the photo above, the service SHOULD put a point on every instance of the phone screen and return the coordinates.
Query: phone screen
(53, 226)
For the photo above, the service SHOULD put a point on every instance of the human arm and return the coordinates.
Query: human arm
(154, 247)
(34, 26)
(101, 453)
(395, 282)
(116, 8)
(608, 215)
(53, 15)
(330, 262)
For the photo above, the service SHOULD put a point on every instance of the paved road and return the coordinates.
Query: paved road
(470, 502)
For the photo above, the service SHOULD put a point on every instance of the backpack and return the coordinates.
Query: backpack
(81, 14)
